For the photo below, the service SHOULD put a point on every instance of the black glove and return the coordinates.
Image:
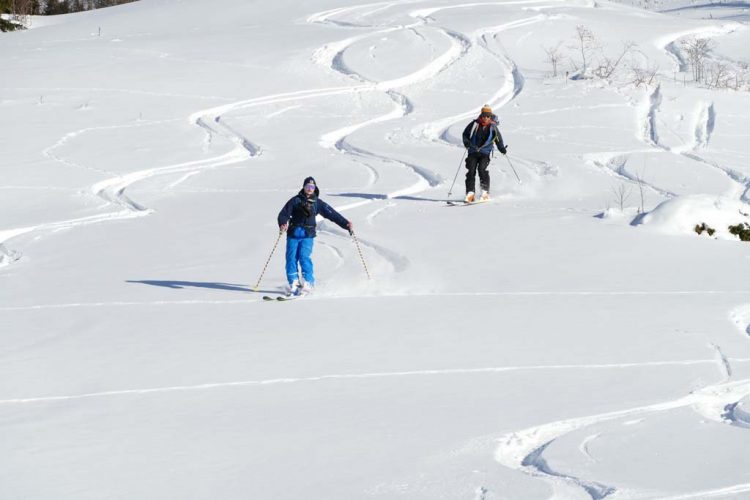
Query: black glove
(503, 149)
(466, 145)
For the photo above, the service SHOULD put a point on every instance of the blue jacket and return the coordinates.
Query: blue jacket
(478, 139)
(300, 211)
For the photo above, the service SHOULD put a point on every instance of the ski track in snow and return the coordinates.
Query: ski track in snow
(119, 91)
(585, 446)
(717, 493)
(705, 116)
(438, 131)
(376, 375)
(331, 56)
(522, 450)
(704, 126)
(705, 122)
(651, 107)
(720, 402)
(338, 255)
(566, 484)
(740, 316)
(113, 190)
(723, 363)
(615, 163)
(132, 209)
(375, 213)
(670, 43)
(740, 181)
(397, 261)
(559, 293)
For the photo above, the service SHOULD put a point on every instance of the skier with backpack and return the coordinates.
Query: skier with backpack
(297, 218)
(479, 136)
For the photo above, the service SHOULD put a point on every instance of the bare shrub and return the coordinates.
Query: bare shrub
(622, 193)
(554, 56)
(585, 44)
(607, 65)
(643, 75)
(697, 50)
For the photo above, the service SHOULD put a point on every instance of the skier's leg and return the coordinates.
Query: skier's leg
(305, 260)
(292, 249)
(484, 173)
(471, 172)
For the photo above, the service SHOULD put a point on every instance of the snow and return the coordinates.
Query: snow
(574, 338)
(680, 215)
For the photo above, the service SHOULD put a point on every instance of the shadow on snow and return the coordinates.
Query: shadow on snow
(374, 196)
(198, 284)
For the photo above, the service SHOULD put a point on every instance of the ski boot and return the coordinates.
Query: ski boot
(485, 196)
(294, 289)
(469, 197)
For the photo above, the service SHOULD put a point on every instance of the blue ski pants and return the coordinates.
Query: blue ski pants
(299, 251)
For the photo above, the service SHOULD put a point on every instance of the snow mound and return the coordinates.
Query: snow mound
(742, 412)
(682, 214)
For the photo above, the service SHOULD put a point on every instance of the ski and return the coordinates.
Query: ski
(461, 203)
(281, 298)
(285, 298)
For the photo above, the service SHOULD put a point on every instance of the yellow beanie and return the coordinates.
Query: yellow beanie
(486, 109)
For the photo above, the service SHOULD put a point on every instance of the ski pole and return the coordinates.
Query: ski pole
(514, 170)
(362, 257)
(450, 191)
(257, 285)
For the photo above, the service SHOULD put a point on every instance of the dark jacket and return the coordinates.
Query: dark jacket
(300, 211)
(478, 139)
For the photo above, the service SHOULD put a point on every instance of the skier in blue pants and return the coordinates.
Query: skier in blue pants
(297, 218)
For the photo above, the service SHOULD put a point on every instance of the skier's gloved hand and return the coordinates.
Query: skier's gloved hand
(503, 149)
(282, 228)
(350, 228)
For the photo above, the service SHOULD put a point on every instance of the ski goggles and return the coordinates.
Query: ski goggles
(485, 115)
(309, 187)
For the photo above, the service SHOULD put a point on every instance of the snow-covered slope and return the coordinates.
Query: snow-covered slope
(553, 343)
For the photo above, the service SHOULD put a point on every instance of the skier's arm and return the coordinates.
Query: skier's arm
(499, 141)
(329, 213)
(467, 135)
(286, 214)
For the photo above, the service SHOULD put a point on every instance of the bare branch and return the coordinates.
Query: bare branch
(554, 55)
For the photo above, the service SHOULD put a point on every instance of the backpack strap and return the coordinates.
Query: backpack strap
(490, 138)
